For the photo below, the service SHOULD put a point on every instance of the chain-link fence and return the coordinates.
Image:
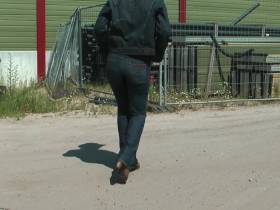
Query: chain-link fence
(64, 64)
(75, 58)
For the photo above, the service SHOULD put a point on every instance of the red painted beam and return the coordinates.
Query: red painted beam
(183, 11)
(41, 39)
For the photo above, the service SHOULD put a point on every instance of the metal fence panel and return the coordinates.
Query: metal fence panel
(73, 54)
(212, 62)
(64, 64)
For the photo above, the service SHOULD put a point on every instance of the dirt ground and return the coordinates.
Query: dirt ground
(208, 159)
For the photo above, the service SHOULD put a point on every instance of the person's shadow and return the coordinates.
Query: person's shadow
(91, 153)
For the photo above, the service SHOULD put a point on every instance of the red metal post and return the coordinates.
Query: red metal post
(183, 11)
(41, 39)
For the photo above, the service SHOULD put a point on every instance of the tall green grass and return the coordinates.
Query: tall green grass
(19, 101)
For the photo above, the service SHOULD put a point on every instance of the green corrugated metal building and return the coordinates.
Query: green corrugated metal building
(18, 20)
(17, 24)
(18, 17)
(226, 11)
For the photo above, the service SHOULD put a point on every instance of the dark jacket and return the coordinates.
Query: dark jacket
(134, 27)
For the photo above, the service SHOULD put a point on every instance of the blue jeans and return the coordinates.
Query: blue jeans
(129, 79)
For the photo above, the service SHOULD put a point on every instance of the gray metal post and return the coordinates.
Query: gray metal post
(68, 33)
(166, 55)
(80, 49)
(160, 84)
(263, 31)
(211, 64)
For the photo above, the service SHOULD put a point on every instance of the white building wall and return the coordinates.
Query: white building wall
(25, 63)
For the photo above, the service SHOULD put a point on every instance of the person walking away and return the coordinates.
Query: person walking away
(135, 33)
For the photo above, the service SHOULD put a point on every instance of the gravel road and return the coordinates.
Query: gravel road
(201, 160)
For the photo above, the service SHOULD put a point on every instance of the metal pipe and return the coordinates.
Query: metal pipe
(167, 53)
(89, 7)
(246, 13)
(80, 49)
(225, 101)
(160, 84)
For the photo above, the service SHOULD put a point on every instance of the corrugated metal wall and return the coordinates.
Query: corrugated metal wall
(18, 17)
(18, 20)
(58, 12)
(226, 11)
(17, 24)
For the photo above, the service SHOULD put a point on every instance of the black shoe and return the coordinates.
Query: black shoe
(119, 176)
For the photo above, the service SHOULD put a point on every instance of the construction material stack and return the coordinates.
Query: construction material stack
(254, 75)
(93, 59)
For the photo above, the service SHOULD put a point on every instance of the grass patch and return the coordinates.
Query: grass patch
(19, 101)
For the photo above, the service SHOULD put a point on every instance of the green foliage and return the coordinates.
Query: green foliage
(12, 73)
(223, 92)
(154, 93)
(23, 100)
(2, 80)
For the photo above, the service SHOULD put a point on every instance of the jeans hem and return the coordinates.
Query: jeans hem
(125, 163)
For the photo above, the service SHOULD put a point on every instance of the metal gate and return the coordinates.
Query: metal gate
(208, 63)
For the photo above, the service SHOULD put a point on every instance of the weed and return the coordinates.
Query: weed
(12, 71)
